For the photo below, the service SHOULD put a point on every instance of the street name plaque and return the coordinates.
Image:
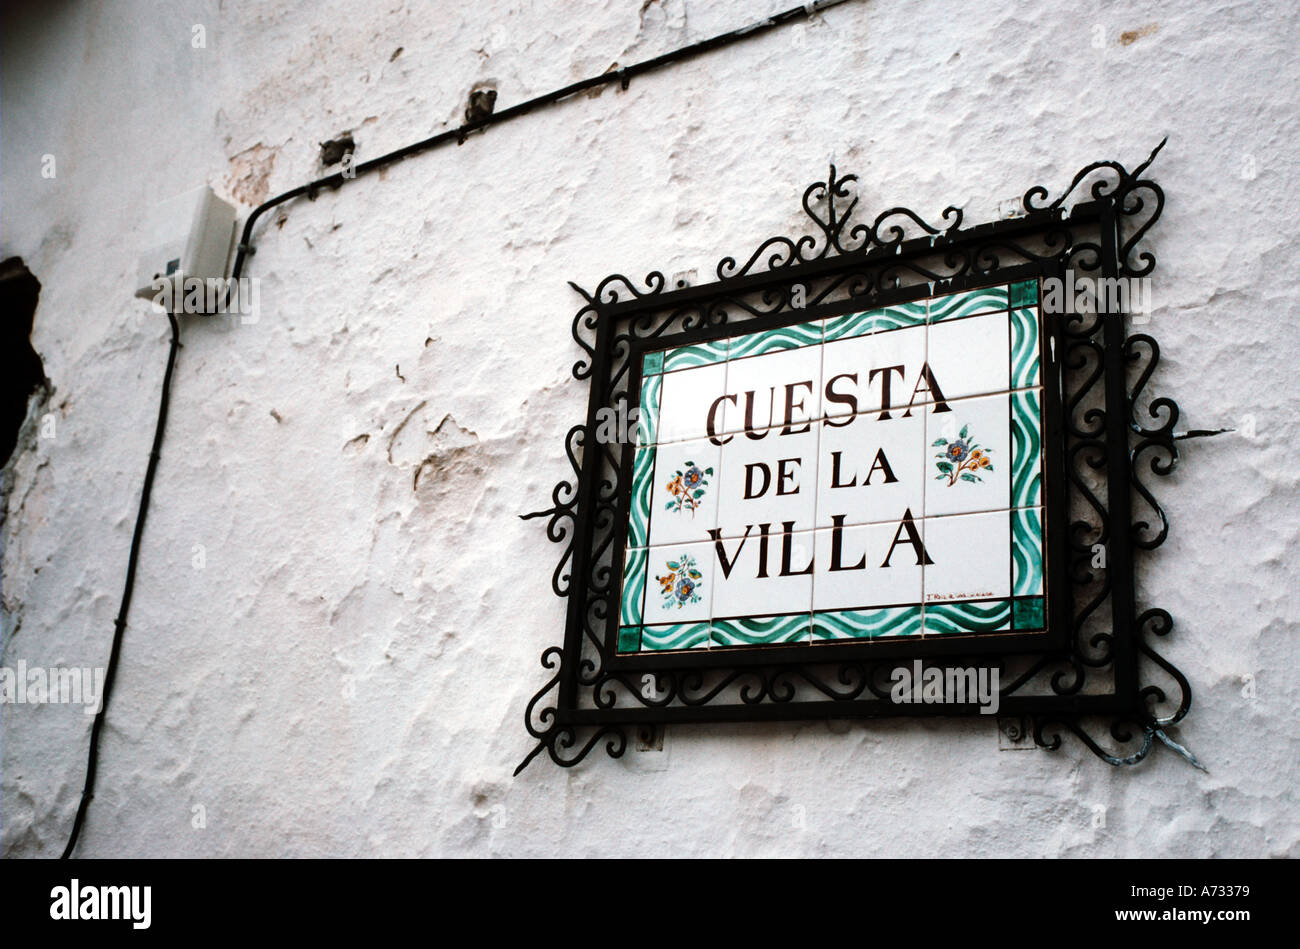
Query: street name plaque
(873, 474)
(889, 468)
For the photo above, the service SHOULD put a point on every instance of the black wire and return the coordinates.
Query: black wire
(623, 75)
(88, 792)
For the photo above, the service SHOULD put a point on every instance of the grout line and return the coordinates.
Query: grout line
(925, 468)
(817, 479)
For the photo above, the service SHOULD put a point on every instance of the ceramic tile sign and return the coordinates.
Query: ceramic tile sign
(874, 474)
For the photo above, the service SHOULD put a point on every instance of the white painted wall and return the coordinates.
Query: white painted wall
(419, 320)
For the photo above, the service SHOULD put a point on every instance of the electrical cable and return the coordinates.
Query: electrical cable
(88, 792)
(622, 75)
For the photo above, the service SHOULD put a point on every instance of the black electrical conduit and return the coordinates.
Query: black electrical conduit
(88, 792)
(622, 75)
(245, 248)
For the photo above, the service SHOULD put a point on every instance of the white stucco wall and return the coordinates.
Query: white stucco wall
(418, 321)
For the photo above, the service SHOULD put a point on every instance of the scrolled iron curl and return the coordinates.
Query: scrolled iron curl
(1078, 327)
(1100, 189)
(1148, 259)
(1084, 535)
(1125, 729)
(552, 658)
(767, 304)
(858, 241)
(607, 291)
(703, 317)
(788, 253)
(1141, 529)
(852, 675)
(781, 687)
(779, 253)
(1103, 642)
(1084, 257)
(1080, 565)
(828, 191)
(752, 693)
(1163, 410)
(1103, 647)
(1063, 686)
(609, 483)
(586, 318)
(606, 695)
(1081, 355)
(898, 232)
(1042, 724)
(1078, 527)
(648, 325)
(589, 670)
(1160, 623)
(597, 614)
(566, 737)
(694, 692)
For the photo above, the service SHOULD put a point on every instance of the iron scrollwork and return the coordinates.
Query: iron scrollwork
(1113, 439)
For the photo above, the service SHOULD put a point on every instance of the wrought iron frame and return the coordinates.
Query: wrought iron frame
(1100, 431)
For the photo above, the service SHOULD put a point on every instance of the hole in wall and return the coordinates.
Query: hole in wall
(23, 372)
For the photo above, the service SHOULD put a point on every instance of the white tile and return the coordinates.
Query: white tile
(861, 581)
(685, 400)
(858, 371)
(970, 356)
(771, 479)
(986, 423)
(970, 557)
(684, 496)
(871, 470)
(760, 579)
(776, 389)
(665, 601)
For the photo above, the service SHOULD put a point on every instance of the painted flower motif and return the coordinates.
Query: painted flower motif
(687, 488)
(681, 584)
(961, 458)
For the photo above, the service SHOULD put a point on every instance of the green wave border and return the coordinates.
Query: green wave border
(892, 621)
(761, 630)
(1024, 348)
(776, 340)
(697, 354)
(1026, 551)
(968, 303)
(978, 616)
(853, 325)
(1026, 449)
(675, 636)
